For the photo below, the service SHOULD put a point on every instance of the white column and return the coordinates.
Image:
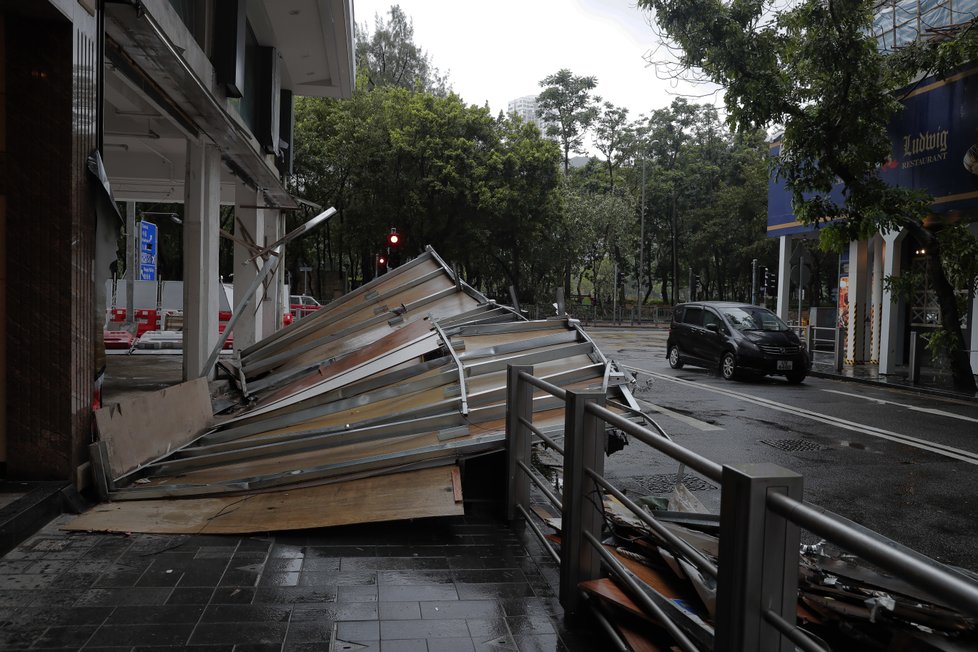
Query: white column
(201, 229)
(876, 308)
(858, 317)
(248, 224)
(784, 277)
(271, 308)
(973, 322)
(891, 344)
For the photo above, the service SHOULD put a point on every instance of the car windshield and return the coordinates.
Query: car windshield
(753, 319)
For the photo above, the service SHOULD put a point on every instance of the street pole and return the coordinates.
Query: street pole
(641, 246)
(614, 296)
(753, 282)
(675, 259)
(801, 266)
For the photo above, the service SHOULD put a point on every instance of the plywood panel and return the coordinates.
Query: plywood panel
(413, 494)
(140, 429)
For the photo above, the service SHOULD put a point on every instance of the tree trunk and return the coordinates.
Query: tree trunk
(957, 352)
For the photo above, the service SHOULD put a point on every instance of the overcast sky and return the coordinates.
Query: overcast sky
(497, 51)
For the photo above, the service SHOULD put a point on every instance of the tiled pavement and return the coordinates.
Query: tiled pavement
(433, 585)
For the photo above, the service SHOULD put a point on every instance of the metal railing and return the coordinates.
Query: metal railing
(826, 345)
(761, 513)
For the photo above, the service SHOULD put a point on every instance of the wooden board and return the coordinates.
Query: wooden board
(143, 428)
(413, 494)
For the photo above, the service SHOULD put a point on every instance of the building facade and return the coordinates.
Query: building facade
(151, 101)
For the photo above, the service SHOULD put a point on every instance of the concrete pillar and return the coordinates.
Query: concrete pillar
(973, 319)
(858, 308)
(271, 309)
(876, 307)
(201, 229)
(891, 341)
(249, 224)
(784, 277)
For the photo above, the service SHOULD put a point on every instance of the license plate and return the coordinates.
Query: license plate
(784, 365)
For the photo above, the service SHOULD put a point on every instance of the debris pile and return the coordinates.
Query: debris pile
(403, 375)
(843, 603)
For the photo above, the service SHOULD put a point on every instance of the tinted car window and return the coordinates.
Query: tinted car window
(694, 316)
(710, 317)
(677, 313)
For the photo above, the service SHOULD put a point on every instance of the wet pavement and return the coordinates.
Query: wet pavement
(446, 584)
(453, 584)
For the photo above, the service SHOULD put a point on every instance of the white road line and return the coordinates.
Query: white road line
(685, 418)
(926, 410)
(940, 449)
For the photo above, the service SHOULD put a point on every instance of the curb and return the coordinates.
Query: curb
(916, 389)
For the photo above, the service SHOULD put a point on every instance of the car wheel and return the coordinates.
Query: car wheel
(674, 361)
(728, 366)
(796, 378)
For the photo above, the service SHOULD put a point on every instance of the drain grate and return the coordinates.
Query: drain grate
(664, 483)
(793, 445)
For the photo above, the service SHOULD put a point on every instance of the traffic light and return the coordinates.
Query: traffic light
(696, 287)
(393, 239)
(382, 260)
(770, 281)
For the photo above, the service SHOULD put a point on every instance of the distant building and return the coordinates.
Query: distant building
(526, 108)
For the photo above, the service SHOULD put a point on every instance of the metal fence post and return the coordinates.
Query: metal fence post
(584, 446)
(840, 353)
(758, 559)
(916, 357)
(519, 404)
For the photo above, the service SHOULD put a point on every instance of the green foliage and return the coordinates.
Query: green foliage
(614, 137)
(390, 57)
(480, 190)
(567, 105)
(813, 68)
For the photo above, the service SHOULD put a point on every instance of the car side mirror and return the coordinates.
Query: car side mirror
(713, 327)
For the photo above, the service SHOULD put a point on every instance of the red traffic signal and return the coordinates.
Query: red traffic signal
(392, 238)
(382, 259)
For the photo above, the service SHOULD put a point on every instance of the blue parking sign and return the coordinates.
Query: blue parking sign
(147, 251)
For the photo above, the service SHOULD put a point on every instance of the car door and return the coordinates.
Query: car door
(713, 336)
(690, 342)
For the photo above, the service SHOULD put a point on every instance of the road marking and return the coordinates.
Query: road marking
(685, 418)
(934, 411)
(939, 449)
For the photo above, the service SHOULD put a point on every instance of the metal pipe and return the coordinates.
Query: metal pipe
(605, 624)
(544, 385)
(547, 440)
(695, 556)
(936, 579)
(541, 485)
(709, 468)
(795, 635)
(540, 535)
(458, 364)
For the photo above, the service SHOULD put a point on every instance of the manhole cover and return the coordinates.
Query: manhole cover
(663, 484)
(793, 445)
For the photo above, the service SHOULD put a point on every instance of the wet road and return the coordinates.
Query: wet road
(903, 464)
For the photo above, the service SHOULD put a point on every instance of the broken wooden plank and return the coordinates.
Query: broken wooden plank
(400, 496)
(142, 428)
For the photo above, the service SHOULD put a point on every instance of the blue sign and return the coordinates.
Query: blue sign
(147, 251)
(934, 143)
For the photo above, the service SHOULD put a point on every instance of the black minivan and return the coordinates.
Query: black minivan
(735, 337)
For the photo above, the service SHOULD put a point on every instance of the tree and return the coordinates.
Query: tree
(390, 57)
(814, 68)
(614, 137)
(568, 109)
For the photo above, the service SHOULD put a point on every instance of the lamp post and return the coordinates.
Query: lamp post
(641, 241)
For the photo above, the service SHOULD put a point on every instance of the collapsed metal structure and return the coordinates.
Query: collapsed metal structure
(405, 373)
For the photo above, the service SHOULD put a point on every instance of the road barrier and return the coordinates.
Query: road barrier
(761, 515)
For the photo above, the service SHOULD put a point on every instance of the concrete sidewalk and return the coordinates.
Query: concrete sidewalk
(444, 584)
